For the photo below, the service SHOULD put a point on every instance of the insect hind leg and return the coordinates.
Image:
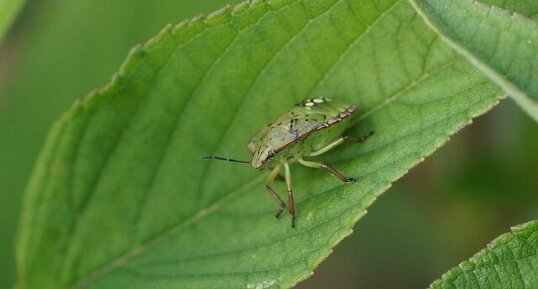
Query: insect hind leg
(328, 168)
(340, 141)
(268, 181)
(359, 139)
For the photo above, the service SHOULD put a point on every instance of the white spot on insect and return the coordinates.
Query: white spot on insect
(318, 100)
(309, 104)
(261, 285)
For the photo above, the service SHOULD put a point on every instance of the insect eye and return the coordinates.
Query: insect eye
(270, 154)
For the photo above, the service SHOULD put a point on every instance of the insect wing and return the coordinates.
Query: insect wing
(303, 121)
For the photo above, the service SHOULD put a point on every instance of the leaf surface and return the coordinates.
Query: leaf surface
(510, 261)
(119, 197)
(499, 37)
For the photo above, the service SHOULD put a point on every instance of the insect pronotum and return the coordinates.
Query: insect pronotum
(312, 127)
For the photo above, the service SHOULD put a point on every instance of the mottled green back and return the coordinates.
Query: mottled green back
(287, 136)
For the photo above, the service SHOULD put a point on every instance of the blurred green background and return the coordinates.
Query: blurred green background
(447, 208)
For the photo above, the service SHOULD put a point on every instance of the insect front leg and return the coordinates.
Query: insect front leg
(291, 205)
(268, 181)
(340, 141)
(328, 168)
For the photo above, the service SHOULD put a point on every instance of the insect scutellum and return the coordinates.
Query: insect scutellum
(312, 127)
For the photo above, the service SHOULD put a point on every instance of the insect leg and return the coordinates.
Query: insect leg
(328, 168)
(280, 178)
(268, 181)
(291, 205)
(340, 141)
(360, 138)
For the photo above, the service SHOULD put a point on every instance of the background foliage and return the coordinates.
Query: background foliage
(499, 37)
(8, 12)
(474, 188)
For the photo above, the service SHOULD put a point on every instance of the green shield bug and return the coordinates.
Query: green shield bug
(312, 127)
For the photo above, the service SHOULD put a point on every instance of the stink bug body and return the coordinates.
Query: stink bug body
(311, 128)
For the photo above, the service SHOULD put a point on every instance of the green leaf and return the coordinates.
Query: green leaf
(499, 37)
(9, 9)
(510, 261)
(120, 199)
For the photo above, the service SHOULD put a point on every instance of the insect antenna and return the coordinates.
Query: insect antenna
(218, 158)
